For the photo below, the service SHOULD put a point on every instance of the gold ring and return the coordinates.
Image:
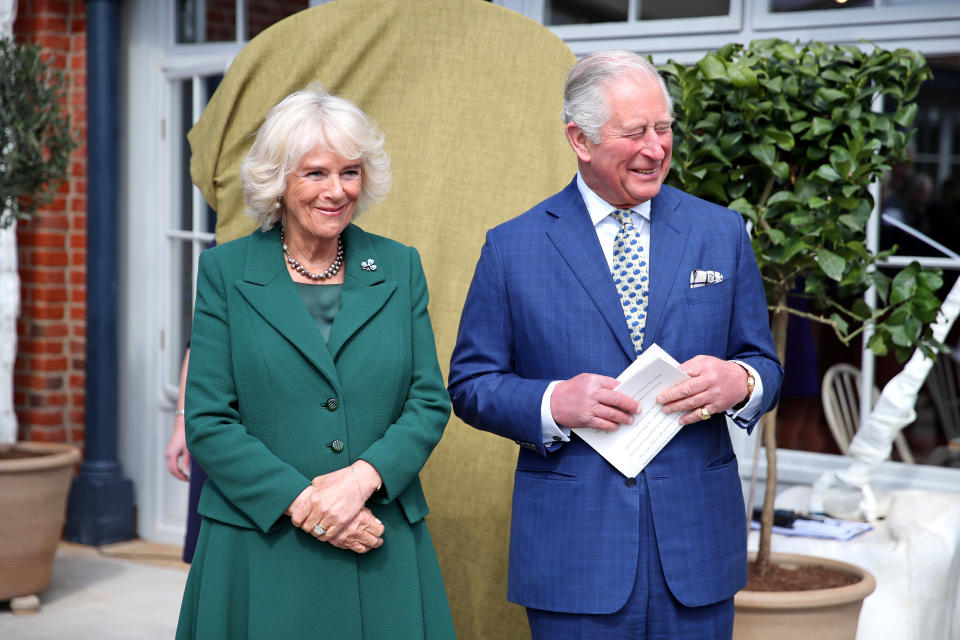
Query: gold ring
(704, 414)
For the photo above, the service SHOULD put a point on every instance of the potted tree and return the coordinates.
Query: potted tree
(792, 136)
(35, 146)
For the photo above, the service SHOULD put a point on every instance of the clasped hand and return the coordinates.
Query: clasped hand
(336, 501)
(589, 400)
(714, 386)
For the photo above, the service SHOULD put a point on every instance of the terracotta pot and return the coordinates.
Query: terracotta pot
(33, 502)
(824, 614)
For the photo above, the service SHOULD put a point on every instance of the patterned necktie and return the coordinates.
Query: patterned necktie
(630, 275)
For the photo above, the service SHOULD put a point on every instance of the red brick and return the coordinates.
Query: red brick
(49, 258)
(39, 400)
(78, 312)
(48, 220)
(60, 7)
(43, 417)
(77, 416)
(52, 363)
(77, 346)
(41, 346)
(78, 259)
(41, 432)
(50, 294)
(53, 42)
(52, 22)
(78, 241)
(48, 330)
(77, 381)
(44, 312)
(31, 277)
(37, 238)
(78, 295)
(37, 381)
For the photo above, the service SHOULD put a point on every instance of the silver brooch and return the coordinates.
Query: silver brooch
(367, 265)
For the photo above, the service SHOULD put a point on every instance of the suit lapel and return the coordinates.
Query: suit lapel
(270, 291)
(668, 237)
(364, 291)
(576, 239)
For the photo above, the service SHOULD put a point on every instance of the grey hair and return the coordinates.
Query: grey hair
(300, 123)
(584, 101)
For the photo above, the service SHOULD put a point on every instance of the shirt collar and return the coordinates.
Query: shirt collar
(598, 208)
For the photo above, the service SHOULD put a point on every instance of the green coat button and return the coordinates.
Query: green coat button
(332, 404)
(337, 446)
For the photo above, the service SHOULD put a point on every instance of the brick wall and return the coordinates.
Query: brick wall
(49, 373)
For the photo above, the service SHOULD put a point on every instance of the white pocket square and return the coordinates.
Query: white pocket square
(700, 278)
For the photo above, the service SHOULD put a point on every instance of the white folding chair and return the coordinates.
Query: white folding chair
(840, 394)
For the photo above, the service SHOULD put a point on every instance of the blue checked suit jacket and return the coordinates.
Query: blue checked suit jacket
(542, 306)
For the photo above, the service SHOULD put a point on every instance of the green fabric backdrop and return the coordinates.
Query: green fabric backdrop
(469, 96)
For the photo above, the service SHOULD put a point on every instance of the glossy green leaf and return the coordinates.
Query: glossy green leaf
(765, 153)
(831, 264)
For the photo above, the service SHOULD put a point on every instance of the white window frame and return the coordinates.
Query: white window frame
(932, 28)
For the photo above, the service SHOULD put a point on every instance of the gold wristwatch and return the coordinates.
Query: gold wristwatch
(751, 382)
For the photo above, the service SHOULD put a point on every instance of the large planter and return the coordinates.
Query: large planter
(33, 502)
(824, 614)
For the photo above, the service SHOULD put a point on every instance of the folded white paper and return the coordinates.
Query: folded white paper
(827, 528)
(631, 447)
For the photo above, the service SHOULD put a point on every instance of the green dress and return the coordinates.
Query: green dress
(260, 420)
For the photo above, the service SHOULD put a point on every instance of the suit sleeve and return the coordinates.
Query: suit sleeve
(486, 392)
(250, 476)
(403, 450)
(749, 336)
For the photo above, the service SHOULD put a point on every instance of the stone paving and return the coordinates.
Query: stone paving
(125, 591)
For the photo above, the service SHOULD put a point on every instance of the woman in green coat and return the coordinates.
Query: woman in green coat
(313, 400)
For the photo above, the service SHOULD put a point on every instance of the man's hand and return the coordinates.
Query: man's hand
(715, 385)
(588, 400)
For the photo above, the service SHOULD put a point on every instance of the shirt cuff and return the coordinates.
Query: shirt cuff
(552, 432)
(751, 410)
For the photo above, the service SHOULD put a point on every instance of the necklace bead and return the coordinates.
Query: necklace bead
(331, 271)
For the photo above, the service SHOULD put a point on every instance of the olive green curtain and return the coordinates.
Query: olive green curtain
(469, 97)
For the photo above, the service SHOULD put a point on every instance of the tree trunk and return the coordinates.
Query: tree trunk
(9, 285)
(770, 443)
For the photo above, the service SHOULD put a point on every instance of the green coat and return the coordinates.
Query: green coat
(261, 423)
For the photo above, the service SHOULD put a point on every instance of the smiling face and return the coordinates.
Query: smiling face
(632, 158)
(320, 198)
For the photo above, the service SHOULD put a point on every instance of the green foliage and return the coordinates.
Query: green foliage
(785, 134)
(35, 136)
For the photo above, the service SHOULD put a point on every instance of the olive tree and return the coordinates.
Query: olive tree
(792, 136)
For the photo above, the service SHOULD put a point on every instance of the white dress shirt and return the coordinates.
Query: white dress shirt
(607, 228)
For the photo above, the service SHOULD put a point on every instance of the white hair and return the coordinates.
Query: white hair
(300, 123)
(584, 99)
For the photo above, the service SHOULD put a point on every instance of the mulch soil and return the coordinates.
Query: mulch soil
(798, 578)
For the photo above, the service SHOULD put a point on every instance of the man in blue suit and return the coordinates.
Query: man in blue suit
(564, 298)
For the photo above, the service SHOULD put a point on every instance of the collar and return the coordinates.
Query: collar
(598, 208)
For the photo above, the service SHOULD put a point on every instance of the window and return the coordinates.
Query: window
(778, 6)
(560, 12)
(229, 20)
